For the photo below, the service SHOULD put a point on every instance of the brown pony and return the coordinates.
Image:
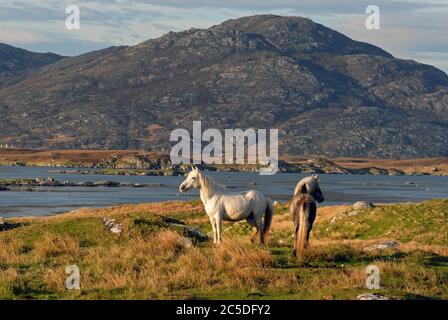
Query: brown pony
(303, 209)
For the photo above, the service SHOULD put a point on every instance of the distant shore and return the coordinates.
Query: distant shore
(139, 162)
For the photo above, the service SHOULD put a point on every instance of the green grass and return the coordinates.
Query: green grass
(426, 222)
(144, 262)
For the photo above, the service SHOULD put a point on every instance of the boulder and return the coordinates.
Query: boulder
(391, 244)
(106, 183)
(372, 296)
(184, 243)
(362, 205)
(115, 228)
(85, 184)
(353, 213)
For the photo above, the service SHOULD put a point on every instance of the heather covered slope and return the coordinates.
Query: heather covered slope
(328, 94)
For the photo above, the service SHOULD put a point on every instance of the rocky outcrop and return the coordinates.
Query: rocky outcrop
(372, 296)
(113, 226)
(391, 244)
(362, 205)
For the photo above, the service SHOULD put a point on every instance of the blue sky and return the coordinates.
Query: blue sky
(410, 29)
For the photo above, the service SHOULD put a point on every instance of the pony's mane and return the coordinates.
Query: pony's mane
(209, 186)
(310, 183)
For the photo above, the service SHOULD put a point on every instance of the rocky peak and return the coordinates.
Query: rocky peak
(301, 36)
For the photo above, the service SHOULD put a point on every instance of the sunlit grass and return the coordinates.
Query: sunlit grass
(145, 261)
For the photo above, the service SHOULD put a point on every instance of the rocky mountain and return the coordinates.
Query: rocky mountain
(15, 63)
(326, 93)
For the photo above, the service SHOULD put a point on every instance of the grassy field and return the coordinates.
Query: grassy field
(144, 262)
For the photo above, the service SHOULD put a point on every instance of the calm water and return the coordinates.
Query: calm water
(337, 189)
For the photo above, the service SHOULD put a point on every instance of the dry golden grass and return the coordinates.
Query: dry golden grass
(146, 262)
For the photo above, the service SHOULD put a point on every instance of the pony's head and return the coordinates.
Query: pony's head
(192, 180)
(310, 185)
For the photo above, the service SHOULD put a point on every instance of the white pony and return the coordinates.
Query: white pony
(250, 205)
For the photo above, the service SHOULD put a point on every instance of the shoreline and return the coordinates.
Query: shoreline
(139, 162)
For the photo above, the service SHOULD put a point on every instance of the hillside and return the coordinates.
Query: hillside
(15, 63)
(146, 261)
(328, 94)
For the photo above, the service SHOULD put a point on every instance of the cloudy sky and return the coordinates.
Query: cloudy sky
(410, 29)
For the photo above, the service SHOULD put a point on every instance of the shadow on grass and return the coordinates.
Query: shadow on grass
(9, 226)
(436, 260)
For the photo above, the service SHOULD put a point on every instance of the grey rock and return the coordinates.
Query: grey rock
(362, 205)
(184, 243)
(115, 228)
(372, 296)
(85, 184)
(391, 244)
(353, 213)
(106, 183)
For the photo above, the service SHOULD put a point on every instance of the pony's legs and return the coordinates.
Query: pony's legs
(212, 222)
(260, 230)
(257, 224)
(254, 234)
(218, 222)
(296, 229)
(250, 220)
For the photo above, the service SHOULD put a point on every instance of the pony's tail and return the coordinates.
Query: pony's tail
(267, 217)
(301, 240)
